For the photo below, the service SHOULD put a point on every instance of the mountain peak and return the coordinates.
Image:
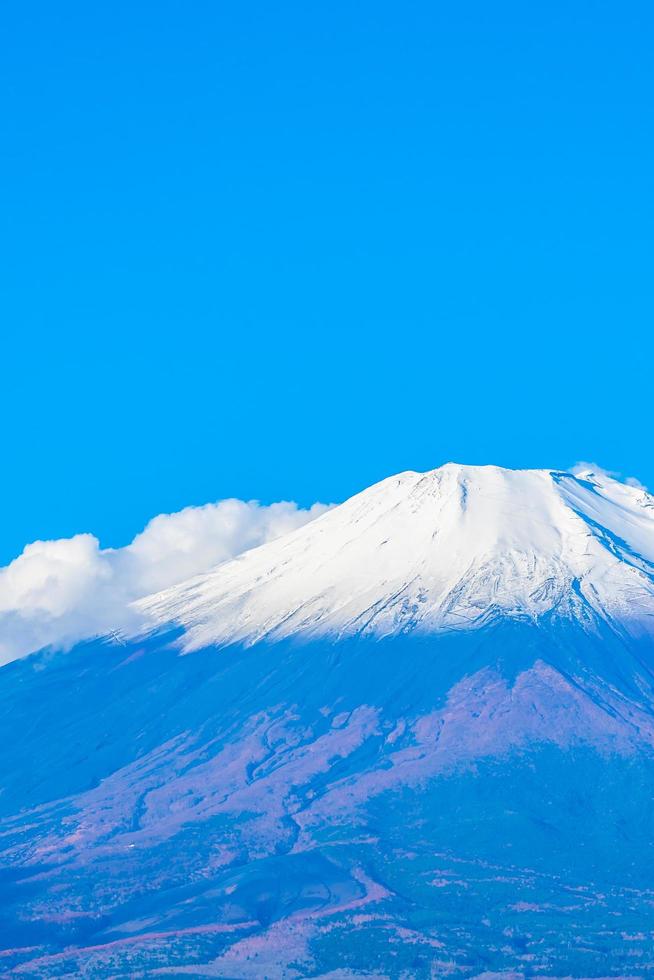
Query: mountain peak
(449, 549)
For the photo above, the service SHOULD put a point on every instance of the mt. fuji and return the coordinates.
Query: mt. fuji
(413, 738)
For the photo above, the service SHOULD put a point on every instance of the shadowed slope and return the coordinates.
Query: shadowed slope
(243, 807)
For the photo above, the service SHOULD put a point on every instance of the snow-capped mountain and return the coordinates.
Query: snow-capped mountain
(413, 739)
(449, 549)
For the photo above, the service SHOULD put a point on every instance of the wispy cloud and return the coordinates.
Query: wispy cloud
(59, 592)
(583, 468)
(633, 481)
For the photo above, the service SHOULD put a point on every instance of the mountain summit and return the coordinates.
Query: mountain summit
(454, 548)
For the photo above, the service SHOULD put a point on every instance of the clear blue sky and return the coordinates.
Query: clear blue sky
(283, 250)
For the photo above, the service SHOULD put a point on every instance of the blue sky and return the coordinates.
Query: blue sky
(284, 250)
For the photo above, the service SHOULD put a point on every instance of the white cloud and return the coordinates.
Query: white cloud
(583, 468)
(633, 481)
(58, 592)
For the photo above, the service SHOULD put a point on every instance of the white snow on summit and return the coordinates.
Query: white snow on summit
(453, 548)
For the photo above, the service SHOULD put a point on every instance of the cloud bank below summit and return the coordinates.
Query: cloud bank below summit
(59, 592)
